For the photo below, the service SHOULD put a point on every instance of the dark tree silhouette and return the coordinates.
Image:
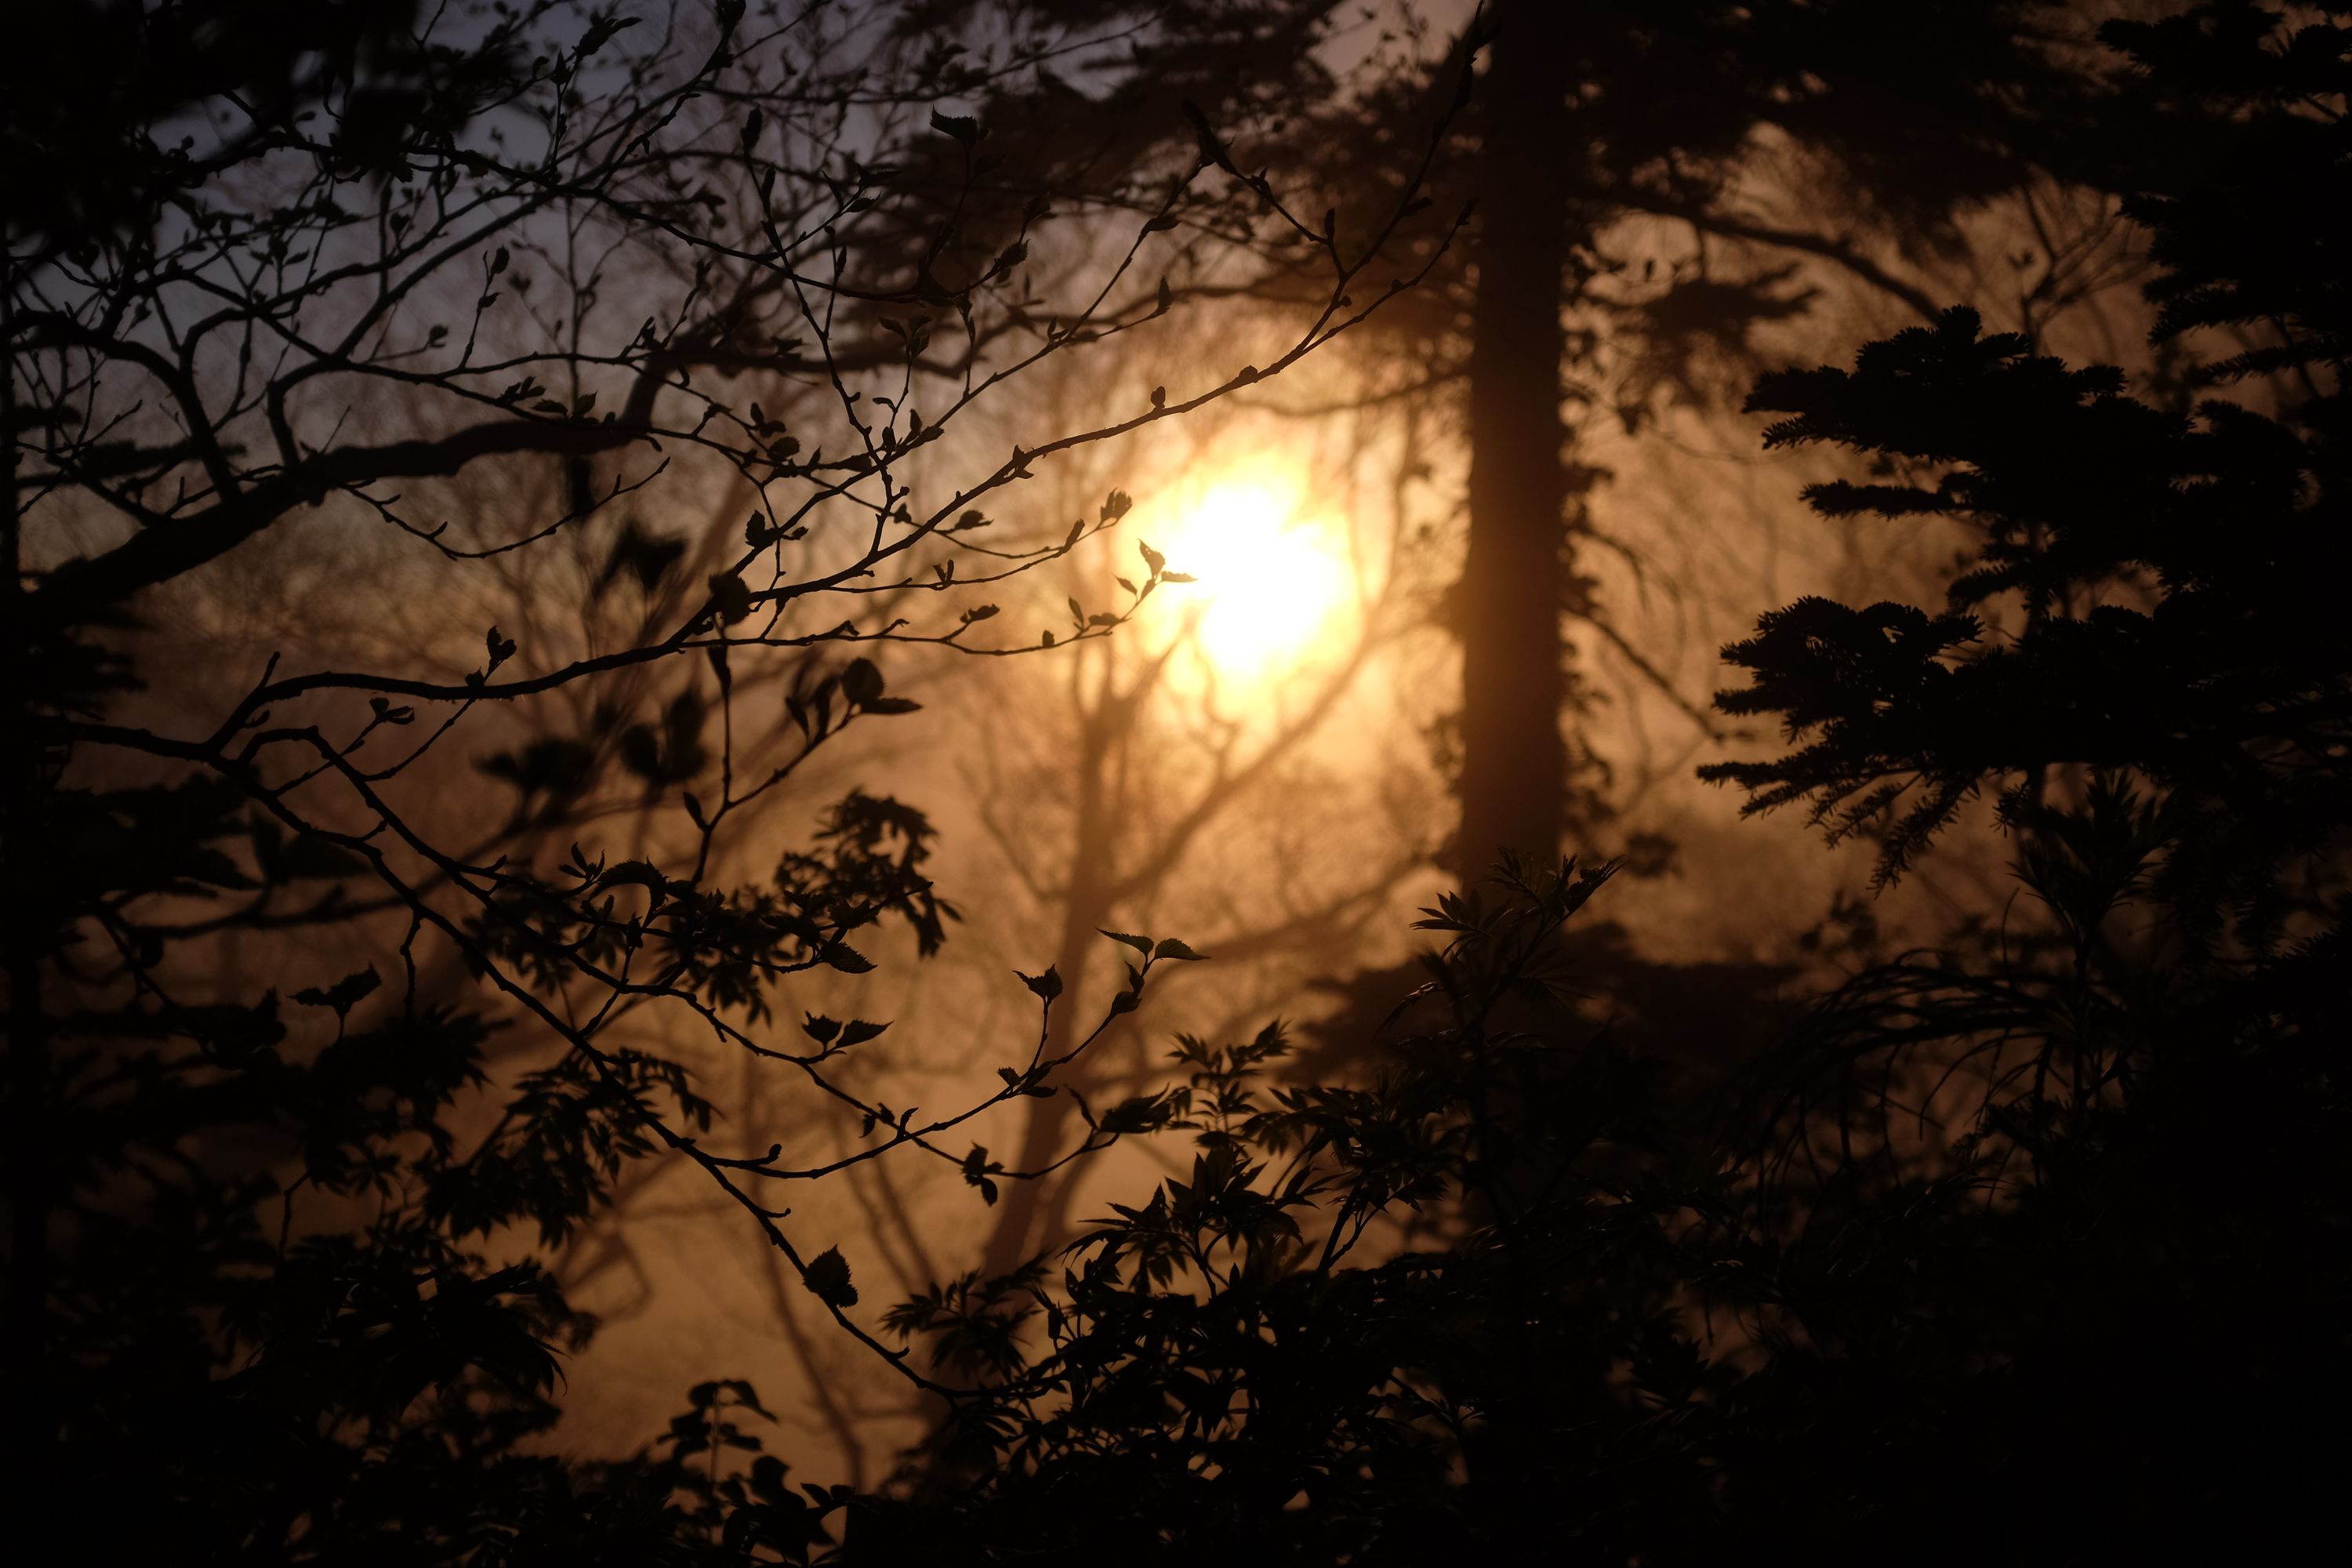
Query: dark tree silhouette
(2024, 1250)
(2032, 1247)
(359, 287)
(2098, 1312)
(1596, 128)
(1621, 266)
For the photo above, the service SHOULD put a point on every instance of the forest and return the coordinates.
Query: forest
(1082, 782)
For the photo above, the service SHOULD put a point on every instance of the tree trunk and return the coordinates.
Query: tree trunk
(1515, 680)
(1088, 904)
(28, 925)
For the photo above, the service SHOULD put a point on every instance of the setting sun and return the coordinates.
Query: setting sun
(1269, 581)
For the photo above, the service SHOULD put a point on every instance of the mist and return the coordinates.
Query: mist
(1033, 780)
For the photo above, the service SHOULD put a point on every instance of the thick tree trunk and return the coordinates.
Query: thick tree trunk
(1515, 681)
(27, 929)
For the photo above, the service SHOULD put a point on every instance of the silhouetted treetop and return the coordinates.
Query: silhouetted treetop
(2245, 228)
(2163, 580)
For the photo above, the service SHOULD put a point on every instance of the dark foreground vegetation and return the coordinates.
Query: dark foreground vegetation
(2032, 1246)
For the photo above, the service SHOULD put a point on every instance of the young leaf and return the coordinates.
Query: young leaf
(732, 595)
(343, 995)
(827, 1278)
(960, 129)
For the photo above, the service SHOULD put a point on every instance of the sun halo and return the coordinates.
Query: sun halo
(1267, 583)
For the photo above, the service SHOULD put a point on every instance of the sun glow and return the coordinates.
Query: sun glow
(1269, 583)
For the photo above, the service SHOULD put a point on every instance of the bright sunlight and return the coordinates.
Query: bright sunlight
(1269, 582)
